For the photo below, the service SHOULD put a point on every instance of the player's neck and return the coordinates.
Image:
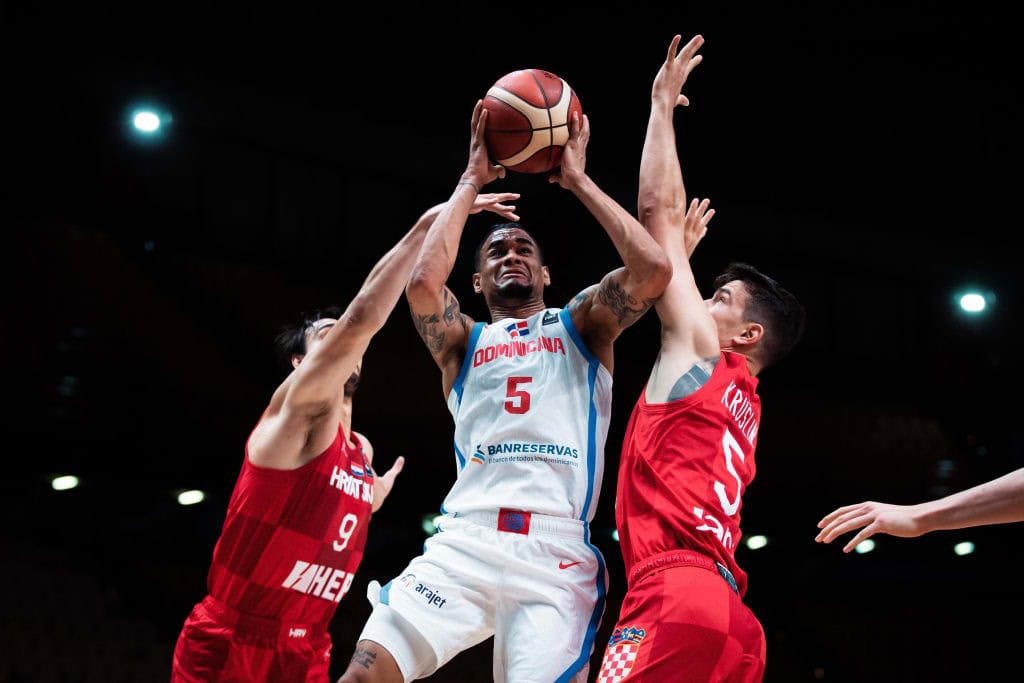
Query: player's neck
(517, 310)
(346, 417)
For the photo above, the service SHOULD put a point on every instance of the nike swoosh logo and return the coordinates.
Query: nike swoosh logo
(566, 565)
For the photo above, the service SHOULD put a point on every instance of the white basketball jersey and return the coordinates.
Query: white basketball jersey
(531, 407)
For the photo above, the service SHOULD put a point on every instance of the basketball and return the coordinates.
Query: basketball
(528, 121)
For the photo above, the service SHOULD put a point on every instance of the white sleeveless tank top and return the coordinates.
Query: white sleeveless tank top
(531, 407)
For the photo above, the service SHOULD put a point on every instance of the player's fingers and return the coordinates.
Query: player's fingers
(672, 47)
(844, 525)
(682, 101)
(707, 218)
(396, 467)
(836, 513)
(864, 535)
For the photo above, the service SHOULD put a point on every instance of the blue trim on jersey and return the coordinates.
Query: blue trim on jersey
(385, 597)
(570, 327)
(474, 336)
(595, 617)
(591, 436)
(593, 364)
(458, 455)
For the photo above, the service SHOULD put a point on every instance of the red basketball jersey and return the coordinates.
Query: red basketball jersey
(293, 539)
(684, 468)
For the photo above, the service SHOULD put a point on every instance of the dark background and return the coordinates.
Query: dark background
(867, 158)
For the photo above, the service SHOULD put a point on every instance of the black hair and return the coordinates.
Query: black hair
(487, 239)
(771, 305)
(291, 340)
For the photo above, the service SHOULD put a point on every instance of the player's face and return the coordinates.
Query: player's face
(727, 306)
(510, 266)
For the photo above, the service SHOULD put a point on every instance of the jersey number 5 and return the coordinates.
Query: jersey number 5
(518, 400)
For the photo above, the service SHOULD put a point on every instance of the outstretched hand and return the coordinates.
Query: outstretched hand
(492, 202)
(674, 72)
(385, 482)
(479, 169)
(574, 156)
(871, 518)
(695, 224)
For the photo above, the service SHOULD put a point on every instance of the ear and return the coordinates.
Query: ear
(546, 274)
(476, 283)
(296, 359)
(750, 335)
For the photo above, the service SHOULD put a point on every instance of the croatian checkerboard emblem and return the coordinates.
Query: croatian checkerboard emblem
(623, 647)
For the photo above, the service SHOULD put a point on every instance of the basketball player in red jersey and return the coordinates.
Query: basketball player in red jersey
(688, 451)
(297, 520)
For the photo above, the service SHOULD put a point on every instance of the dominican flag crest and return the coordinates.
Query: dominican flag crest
(519, 329)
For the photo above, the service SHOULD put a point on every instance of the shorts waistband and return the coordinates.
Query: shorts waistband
(523, 522)
(262, 626)
(679, 558)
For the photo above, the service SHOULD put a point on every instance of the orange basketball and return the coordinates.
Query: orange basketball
(529, 118)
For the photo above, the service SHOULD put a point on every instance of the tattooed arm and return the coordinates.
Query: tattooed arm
(435, 310)
(623, 295)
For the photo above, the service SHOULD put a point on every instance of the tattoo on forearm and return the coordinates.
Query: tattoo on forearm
(364, 657)
(625, 307)
(694, 378)
(451, 308)
(427, 327)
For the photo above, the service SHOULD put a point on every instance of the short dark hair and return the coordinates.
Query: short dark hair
(495, 228)
(771, 305)
(291, 340)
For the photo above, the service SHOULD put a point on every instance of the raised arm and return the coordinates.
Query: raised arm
(435, 310)
(689, 340)
(999, 501)
(302, 417)
(602, 312)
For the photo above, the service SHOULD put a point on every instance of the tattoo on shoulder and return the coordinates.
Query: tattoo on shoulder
(364, 657)
(428, 327)
(579, 300)
(694, 378)
(626, 308)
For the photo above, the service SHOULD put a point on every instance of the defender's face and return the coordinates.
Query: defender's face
(727, 306)
(510, 266)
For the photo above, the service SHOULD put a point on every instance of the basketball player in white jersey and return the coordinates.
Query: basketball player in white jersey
(530, 395)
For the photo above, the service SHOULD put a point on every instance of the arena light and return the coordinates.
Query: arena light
(430, 523)
(963, 548)
(757, 541)
(64, 482)
(972, 302)
(148, 123)
(864, 547)
(191, 497)
(615, 535)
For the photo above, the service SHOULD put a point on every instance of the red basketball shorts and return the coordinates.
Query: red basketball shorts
(681, 621)
(220, 645)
